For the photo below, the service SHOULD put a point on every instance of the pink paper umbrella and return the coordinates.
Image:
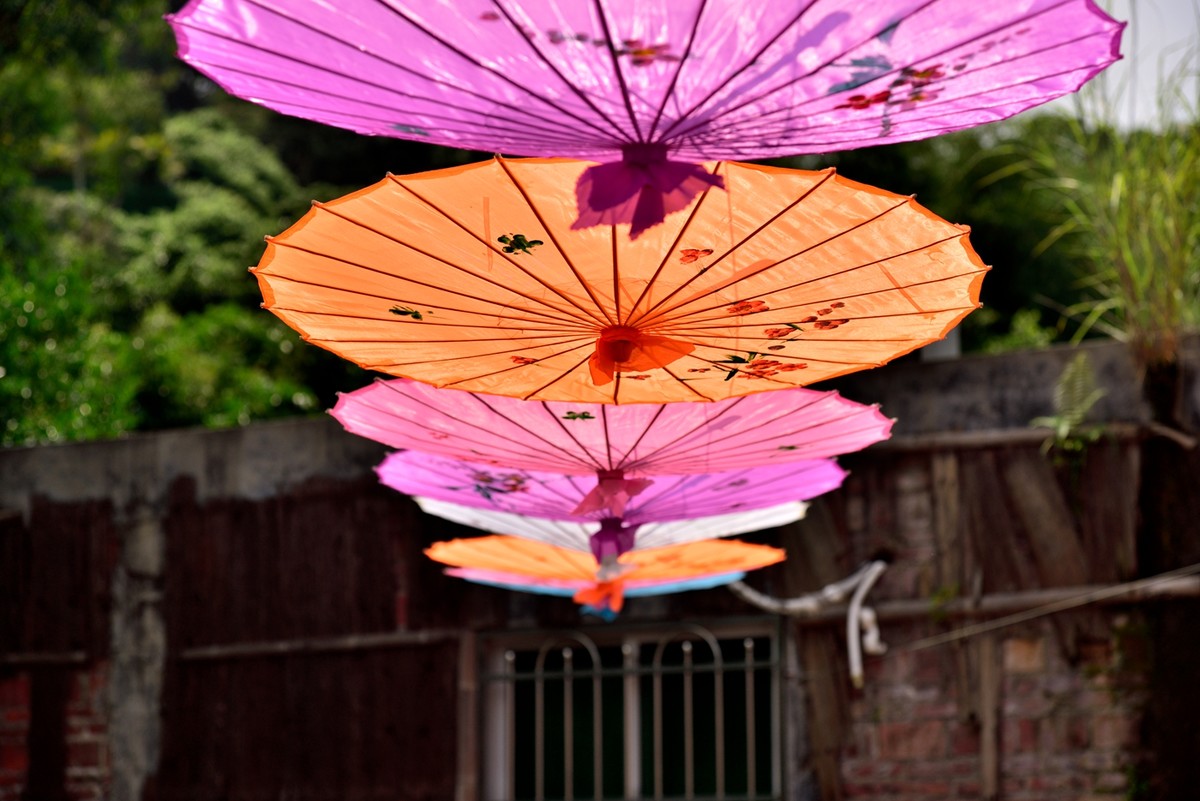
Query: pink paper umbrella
(621, 446)
(547, 506)
(649, 87)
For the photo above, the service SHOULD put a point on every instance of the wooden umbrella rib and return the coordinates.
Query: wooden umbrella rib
(691, 216)
(598, 5)
(582, 451)
(683, 60)
(563, 320)
(693, 322)
(727, 131)
(551, 451)
(622, 462)
(669, 131)
(241, 43)
(554, 239)
(653, 312)
(753, 445)
(552, 333)
(473, 357)
(649, 462)
(777, 289)
(553, 131)
(684, 439)
(556, 379)
(721, 437)
(498, 252)
(583, 96)
(334, 211)
(513, 83)
(782, 87)
(616, 272)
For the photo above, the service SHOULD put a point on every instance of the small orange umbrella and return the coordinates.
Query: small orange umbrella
(474, 278)
(549, 565)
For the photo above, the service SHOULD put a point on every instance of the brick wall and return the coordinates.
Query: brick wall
(14, 728)
(1046, 710)
(1063, 731)
(88, 770)
(82, 768)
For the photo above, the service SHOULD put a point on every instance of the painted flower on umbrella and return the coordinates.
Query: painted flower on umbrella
(487, 485)
(748, 307)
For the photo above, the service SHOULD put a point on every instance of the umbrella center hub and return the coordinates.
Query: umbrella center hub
(617, 342)
(643, 153)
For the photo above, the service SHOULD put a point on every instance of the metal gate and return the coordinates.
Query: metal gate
(690, 711)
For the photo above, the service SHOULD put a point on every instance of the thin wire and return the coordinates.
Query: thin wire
(1074, 602)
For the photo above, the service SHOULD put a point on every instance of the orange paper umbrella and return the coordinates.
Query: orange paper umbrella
(540, 563)
(473, 278)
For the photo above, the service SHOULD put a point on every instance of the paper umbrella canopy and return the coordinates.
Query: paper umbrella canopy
(620, 446)
(603, 536)
(521, 564)
(472, 278)
(612, 515)
(650, 86)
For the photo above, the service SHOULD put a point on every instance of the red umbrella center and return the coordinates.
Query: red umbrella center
(625, 349)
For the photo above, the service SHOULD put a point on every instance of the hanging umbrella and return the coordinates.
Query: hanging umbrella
(649, 86)
(604, 519)
(572, 498)
(500, 559)
(622, 447)
(472, 278)
(634, 529)
(595, 597)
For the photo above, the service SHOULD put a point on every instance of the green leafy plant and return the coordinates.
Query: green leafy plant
(1074, 396)
(1131, 200)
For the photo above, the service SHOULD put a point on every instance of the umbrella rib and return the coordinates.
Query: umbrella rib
(616, 272)
(563, 319)
(501, 254)
(695, 209)
(493, 71)
(408, 70)
(623, 460)
(683, 59)
(574, 89)
(567, 134)
(650, 462)
(616, 65)
(811, 443)
(583, 451)
(441, 411)
(653, 312)
(895, 71)
(685, 445)
(877, 262)
(668, 132)
(558, 378)
(333, 210)
(869, 126)
(558, 246)
(661, 312)
(449, 341)
(666, 450)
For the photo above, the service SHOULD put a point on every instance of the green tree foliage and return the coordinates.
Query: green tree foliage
(134, 194)
(64, 373)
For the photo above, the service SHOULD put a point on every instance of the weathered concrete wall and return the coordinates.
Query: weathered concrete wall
(1007, 391)
(113, 739)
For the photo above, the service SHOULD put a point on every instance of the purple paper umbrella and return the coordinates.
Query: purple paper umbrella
(621, 446)
(527, 503)
(649, 87)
